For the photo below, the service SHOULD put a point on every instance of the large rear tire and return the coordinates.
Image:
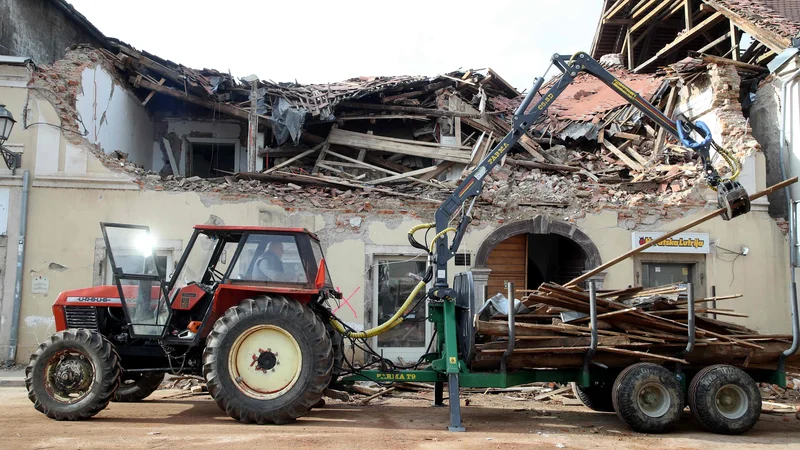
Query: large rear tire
(135, 387)
(73, 375)
(267, 360)
(725, 399)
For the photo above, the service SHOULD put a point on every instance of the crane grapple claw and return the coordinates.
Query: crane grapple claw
(732, 197)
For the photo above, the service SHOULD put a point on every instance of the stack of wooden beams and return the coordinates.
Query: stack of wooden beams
(634, 324)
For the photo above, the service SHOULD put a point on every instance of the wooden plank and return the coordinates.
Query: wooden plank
(440, 168)
(642, 8)
(193, 99)
(682, 39)
(625, 158)
(325, 147)
(639, 158)
(360, 140)
(641, 354)
(293, 159)
(650, 16)
(374, 167)
(152, 93)
(528, 144)
(661, 135)
(401, 176)
(634, 137)
(672, 233)
(603, 316)
(687, 13)
(616, 8)
(769, 38)
(171, 156)
(714, 43)
(408, 109)
(541, 397)
(544, 166)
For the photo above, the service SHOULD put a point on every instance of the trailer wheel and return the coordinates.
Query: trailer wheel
(135, 387)
(267, 360)
(725, 399)
(596, 398)
(72, 375)
(648, 398)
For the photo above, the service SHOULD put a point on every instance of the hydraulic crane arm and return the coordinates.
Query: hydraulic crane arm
(730, 193)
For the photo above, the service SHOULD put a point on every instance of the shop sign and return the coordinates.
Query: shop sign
(680, 243)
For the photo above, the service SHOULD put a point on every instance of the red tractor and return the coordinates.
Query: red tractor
(246, 307)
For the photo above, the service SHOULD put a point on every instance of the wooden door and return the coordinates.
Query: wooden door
(509, 262)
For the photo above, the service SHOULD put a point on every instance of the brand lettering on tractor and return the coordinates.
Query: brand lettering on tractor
(395, 376)
(498, 152)
(545, 101)
(624, 89)
(92, 300)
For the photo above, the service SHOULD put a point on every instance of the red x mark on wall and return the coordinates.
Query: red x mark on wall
(347, 302)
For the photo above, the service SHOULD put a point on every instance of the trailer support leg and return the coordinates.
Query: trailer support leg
(438, 393)
(455, 404)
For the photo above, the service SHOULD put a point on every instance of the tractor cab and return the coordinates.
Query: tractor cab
(220, 266)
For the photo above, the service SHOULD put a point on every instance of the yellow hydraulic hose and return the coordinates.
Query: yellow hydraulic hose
(397, 318)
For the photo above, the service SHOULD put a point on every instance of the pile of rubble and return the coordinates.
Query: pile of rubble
(414, 139)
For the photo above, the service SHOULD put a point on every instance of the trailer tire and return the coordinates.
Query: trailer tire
(135, 387)
(73, 375)
(648, 398)
(596, 398)
(244, 374)
(725, 399)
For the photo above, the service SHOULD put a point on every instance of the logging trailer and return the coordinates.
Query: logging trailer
(249, 309)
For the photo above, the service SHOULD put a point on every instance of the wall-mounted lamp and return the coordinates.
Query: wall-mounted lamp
(13, 160)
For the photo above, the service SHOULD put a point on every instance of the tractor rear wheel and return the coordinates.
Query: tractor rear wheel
(73, 375)
(135, 387)
(268, 360)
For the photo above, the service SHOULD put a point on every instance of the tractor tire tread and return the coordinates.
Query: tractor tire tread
(625, 403)
(231, 400)
(702, 389)
(107, 364)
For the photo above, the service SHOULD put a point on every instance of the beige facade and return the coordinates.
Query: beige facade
(73, 191)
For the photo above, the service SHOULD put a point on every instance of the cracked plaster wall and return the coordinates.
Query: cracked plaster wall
(114, 117)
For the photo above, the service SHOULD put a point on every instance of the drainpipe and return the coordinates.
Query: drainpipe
(787, 81)
(23, 220)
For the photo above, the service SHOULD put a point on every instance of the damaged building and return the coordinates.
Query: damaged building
(109, 133)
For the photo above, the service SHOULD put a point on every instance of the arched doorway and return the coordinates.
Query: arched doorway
(532, 251)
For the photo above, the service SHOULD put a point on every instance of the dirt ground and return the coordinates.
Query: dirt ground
(176, 419)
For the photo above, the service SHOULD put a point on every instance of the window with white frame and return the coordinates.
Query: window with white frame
(394, 277)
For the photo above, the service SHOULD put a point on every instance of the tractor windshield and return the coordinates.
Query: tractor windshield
(196, 265)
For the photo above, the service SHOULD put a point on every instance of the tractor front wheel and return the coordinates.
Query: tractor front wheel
(268, 360)
(73, 375)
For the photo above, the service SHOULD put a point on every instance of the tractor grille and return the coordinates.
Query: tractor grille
(81, 317)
